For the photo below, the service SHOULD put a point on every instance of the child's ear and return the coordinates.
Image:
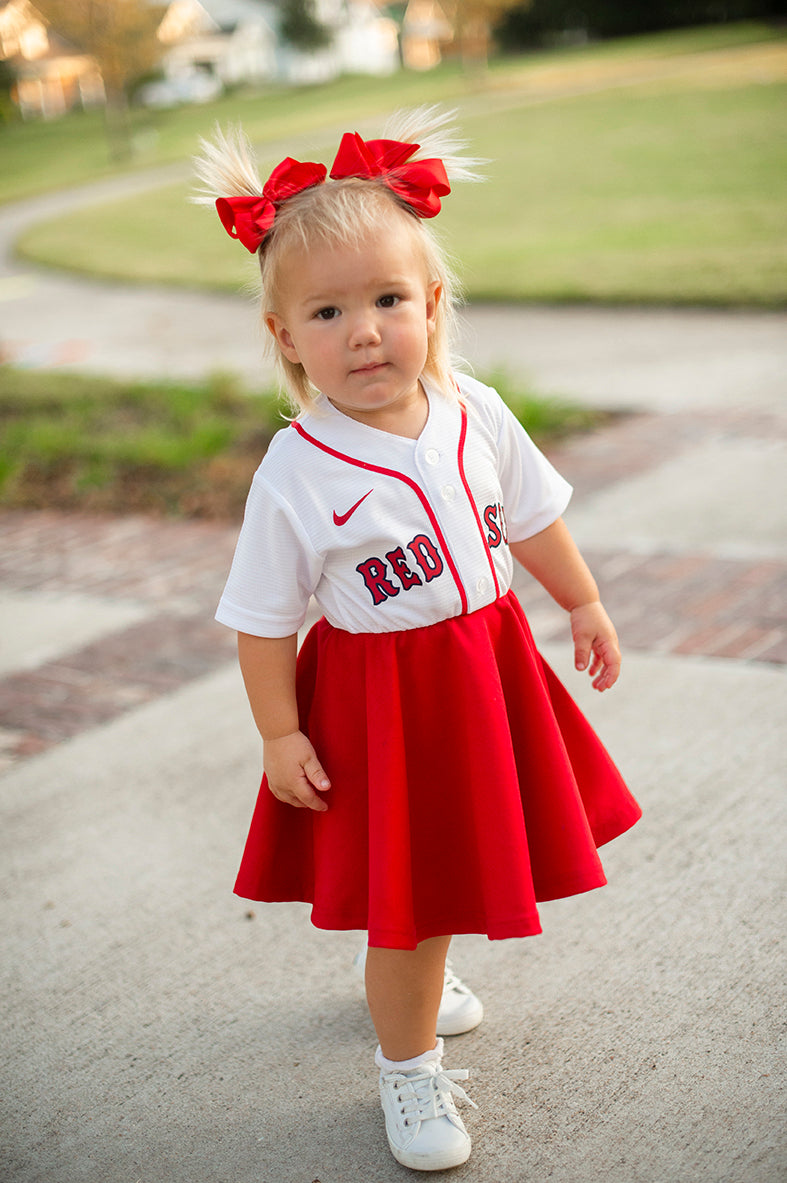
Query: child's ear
(434, 294)
(277, 328)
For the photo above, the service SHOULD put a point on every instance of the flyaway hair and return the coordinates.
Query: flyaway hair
(226, 167)
(435, 131)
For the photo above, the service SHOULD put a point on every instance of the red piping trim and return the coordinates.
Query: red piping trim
(461, 460)
(411, 484)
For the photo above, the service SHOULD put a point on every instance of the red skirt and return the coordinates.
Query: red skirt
(466, 785)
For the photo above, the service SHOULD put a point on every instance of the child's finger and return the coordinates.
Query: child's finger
(297, 793)
(303, 796)
(581, 652)
(608, 661)
(317, 774)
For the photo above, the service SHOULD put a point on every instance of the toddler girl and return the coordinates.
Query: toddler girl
(425, 772)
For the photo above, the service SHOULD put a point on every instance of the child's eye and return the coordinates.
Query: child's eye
(388, 301)
(327, 313)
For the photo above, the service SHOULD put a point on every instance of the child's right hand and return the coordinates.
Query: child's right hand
(294, 772)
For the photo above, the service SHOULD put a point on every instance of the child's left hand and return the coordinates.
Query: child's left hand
(596, 643)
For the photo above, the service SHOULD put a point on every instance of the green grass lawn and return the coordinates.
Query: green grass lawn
(80, 442)
(186, 449)
(641, 170)
(624, 195)
(679, 197)
(40, 156)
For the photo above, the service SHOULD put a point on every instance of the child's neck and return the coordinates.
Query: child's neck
(406, 419)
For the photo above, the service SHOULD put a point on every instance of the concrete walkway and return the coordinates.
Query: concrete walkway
(160, 1029)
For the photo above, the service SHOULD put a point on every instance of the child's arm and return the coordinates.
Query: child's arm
(553, 559)
(291, 764)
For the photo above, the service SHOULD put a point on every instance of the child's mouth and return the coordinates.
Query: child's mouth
(370, 368)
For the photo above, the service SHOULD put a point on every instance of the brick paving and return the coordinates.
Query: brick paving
(696, 605)
(174, 569)
(635, 444)
(661, 602)
(150, 560)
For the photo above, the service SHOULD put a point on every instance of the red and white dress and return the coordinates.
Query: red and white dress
(466, 784)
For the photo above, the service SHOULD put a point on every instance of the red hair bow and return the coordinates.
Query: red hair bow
(250, 218)
(420, 184)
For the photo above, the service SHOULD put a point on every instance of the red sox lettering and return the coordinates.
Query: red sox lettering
(495, 522)
(385, 578)
(375, 572)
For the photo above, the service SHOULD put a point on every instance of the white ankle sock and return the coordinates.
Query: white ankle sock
(429, 1057)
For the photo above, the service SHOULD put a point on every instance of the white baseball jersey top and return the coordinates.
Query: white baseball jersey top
(389, 533)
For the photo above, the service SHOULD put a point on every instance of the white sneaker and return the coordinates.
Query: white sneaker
(460, 1010)
(424, 1130)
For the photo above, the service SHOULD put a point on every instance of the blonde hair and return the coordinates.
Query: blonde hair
(344, 211)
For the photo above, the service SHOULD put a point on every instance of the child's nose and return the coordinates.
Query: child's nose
(364, 330)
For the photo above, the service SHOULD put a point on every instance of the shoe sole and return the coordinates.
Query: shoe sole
(432, 1162)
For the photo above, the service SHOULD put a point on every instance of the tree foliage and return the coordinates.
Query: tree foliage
(531, 22)
(300, 27)
(8, 112)
(121, 36)
(474, 22)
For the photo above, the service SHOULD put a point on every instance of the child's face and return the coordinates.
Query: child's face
(358, 319)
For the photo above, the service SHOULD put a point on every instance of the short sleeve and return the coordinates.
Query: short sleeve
(534, 493)
(274, 571)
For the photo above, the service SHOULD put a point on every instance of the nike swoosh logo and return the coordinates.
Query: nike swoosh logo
(341, 518)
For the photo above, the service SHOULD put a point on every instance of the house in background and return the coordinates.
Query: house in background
(426, 33)
(211, 44)
(51, 76)
(207, 46)
(363, 41)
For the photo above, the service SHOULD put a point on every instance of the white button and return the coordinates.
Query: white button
(448, 492)
(482, 585)
(432, 456)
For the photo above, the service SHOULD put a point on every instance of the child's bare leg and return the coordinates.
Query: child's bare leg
(403, 990)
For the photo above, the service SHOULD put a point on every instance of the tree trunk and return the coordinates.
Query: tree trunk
(118, 125)
(475, 48)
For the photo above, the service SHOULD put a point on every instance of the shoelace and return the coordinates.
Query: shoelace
(424, 1095)
(452, 982)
